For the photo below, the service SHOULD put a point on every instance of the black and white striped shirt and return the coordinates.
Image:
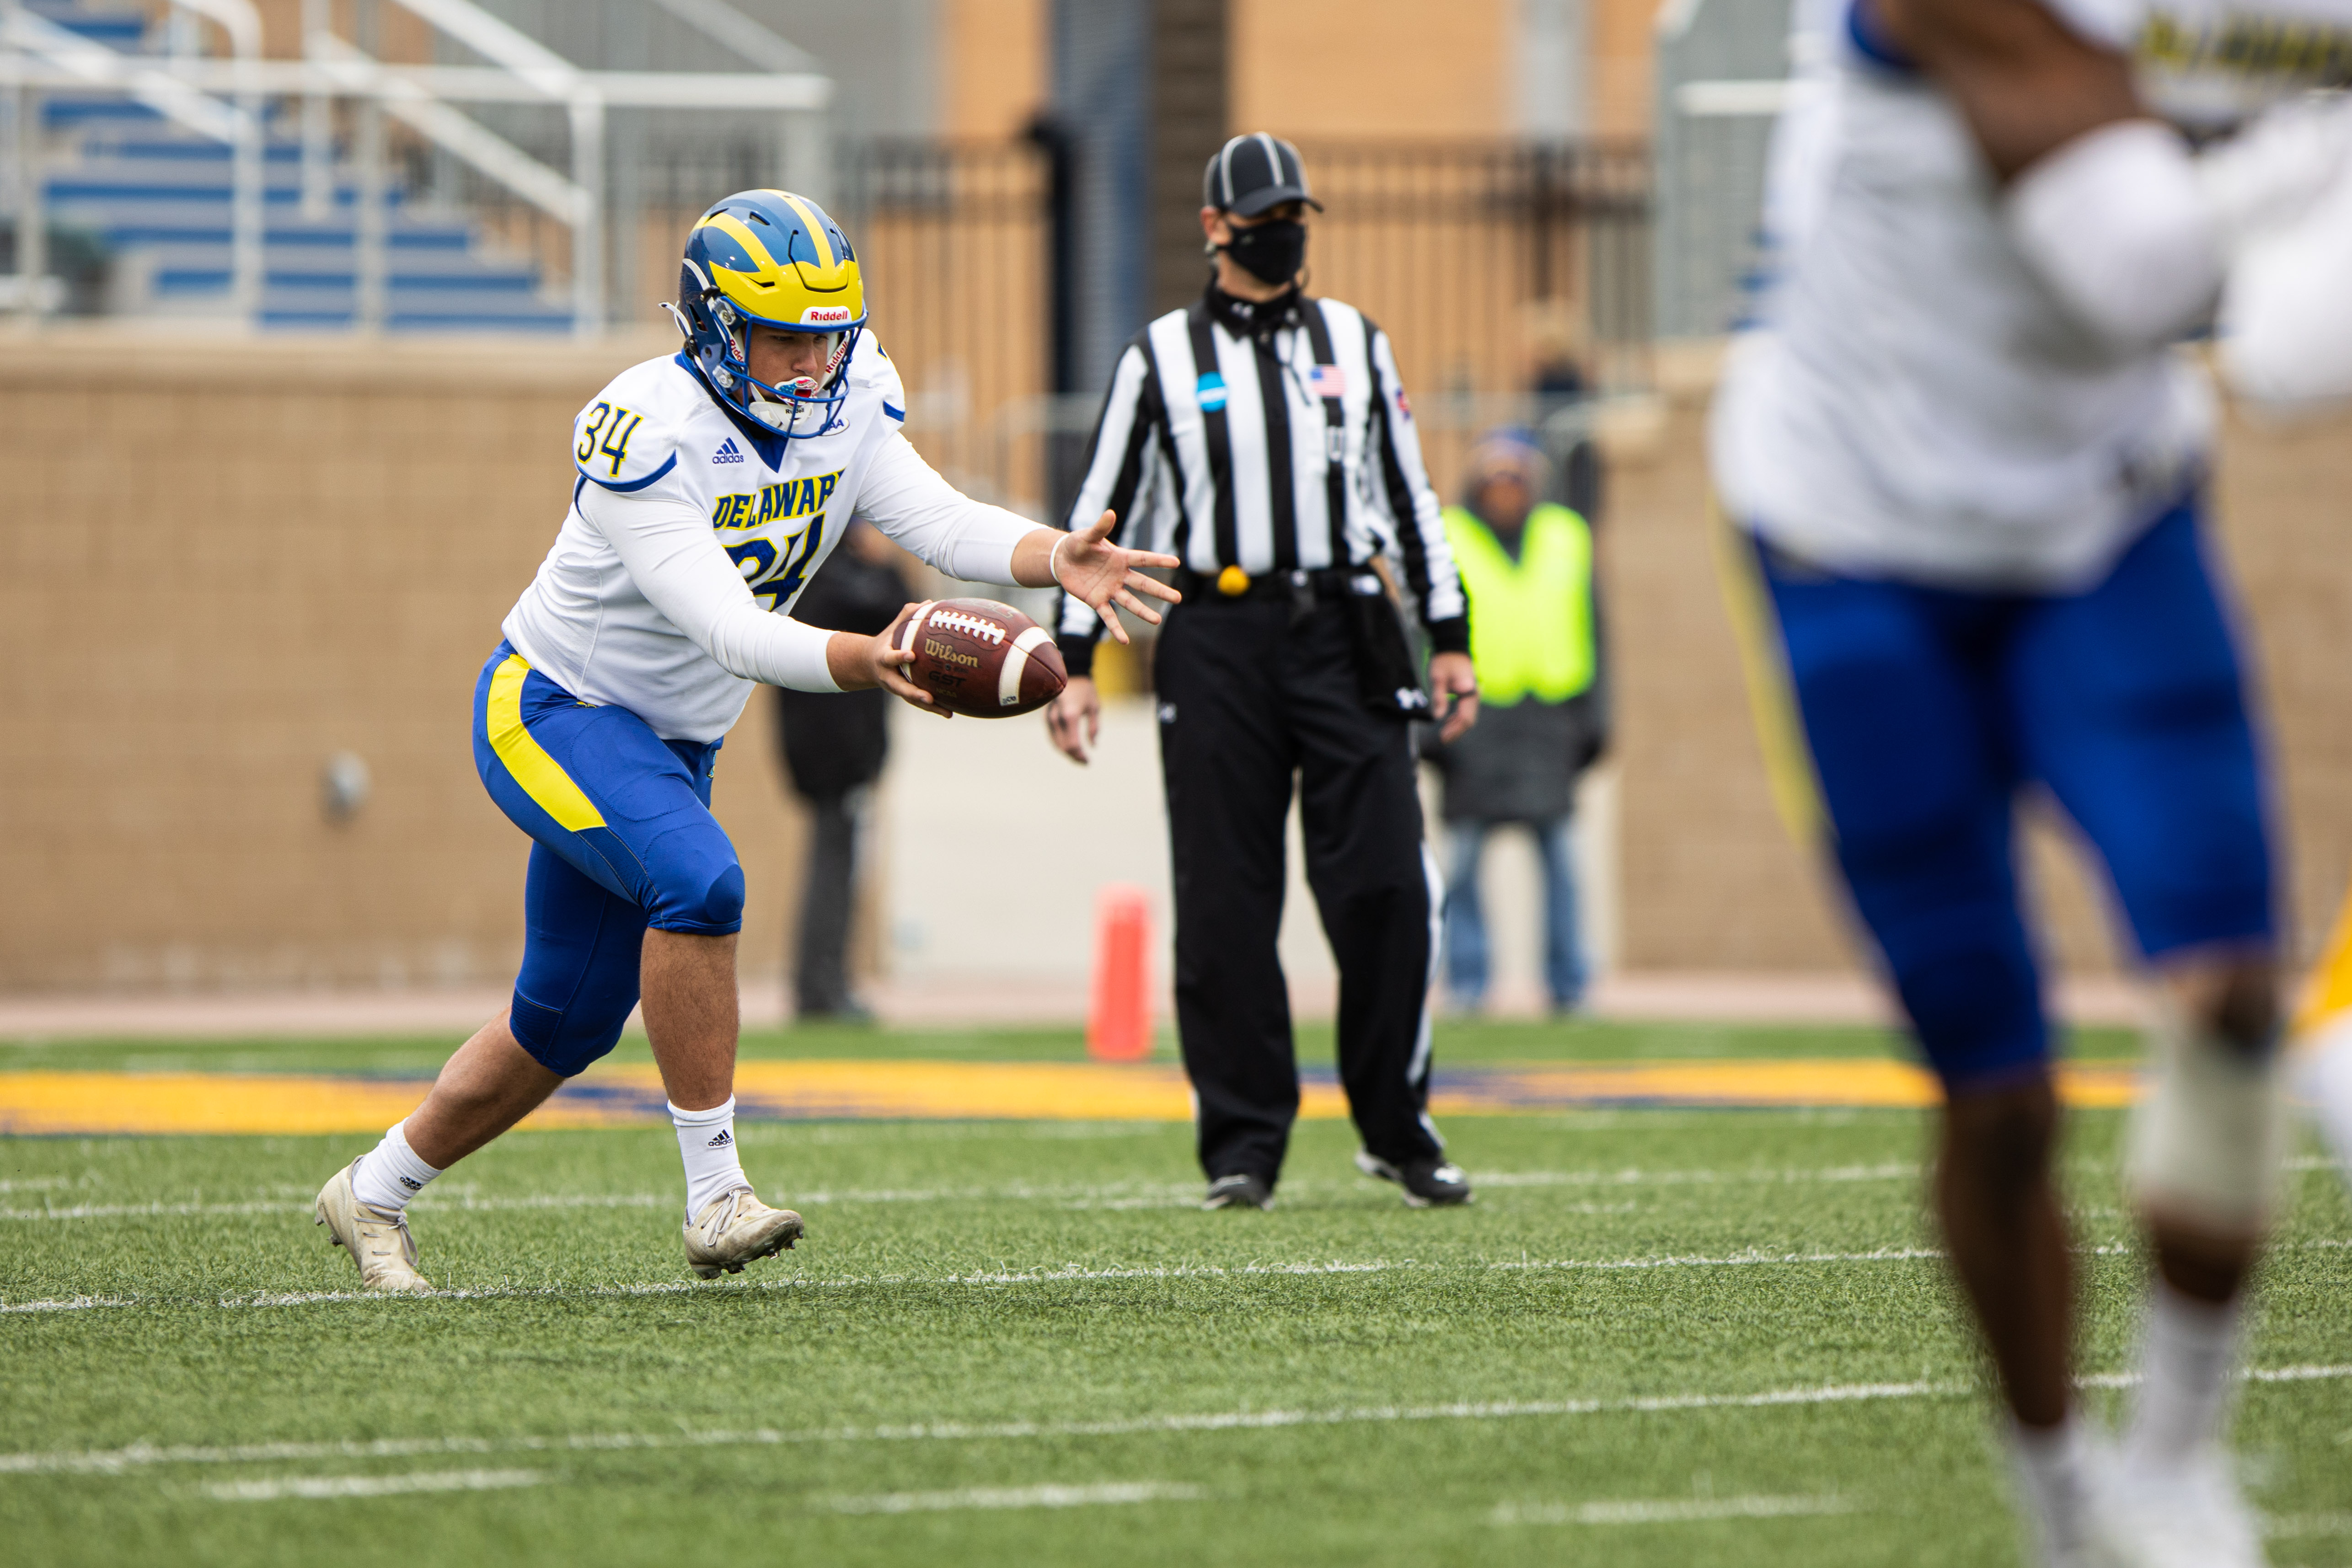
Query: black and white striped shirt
(1274, 438)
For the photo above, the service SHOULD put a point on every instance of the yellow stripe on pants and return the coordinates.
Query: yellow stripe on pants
(542, 776)
(1771, 692)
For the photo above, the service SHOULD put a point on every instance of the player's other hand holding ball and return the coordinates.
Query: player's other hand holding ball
(860, 663)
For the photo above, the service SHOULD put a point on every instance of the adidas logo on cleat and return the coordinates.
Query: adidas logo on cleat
(721, 1141)
(728, 452)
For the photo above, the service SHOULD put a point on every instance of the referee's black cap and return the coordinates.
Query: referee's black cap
(1253, 173)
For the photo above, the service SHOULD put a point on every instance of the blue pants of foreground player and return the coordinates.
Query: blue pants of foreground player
(1467, 955)
(624, 839)
(1927, 709)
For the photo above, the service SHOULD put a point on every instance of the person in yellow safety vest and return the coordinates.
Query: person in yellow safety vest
(1535, 640)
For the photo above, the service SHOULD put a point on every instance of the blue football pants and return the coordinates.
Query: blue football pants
(624, 839)
(1927, 709)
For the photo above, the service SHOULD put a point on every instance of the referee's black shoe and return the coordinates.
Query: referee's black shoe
(1432, 1183)
(1243, 1191)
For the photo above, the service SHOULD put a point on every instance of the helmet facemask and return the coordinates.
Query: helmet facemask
(798, 408)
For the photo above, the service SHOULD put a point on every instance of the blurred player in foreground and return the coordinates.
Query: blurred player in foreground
(709, 486)
(1970, 467)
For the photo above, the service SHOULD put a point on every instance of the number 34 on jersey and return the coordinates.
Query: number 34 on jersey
(775, 568)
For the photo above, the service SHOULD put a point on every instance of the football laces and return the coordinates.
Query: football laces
(970, 625)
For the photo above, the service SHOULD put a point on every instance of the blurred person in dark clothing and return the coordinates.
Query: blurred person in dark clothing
(1544, 710)
(834, 746)
(1556, 339)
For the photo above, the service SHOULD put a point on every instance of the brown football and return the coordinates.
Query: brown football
(978, 657)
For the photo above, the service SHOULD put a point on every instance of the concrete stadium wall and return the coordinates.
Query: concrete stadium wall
(219, 564)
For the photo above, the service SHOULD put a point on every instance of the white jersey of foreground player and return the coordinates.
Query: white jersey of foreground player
(667, 589)
(1917, 402)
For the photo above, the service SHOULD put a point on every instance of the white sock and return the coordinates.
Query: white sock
(2054, 1472)
(391, 1174)
(706, 1142)
(2186, 1351)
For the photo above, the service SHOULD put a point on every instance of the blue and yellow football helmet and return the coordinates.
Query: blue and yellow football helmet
(769, 259)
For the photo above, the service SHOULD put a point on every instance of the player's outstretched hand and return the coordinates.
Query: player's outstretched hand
(1089, 566)
(860, 663)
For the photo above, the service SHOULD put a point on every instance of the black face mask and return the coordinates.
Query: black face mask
(1273, 251)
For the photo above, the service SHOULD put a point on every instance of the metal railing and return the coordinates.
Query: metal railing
(224, 100)
(1723, 75)
(1488, 263)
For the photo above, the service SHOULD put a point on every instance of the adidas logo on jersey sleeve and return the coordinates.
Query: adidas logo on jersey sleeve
(728, 452)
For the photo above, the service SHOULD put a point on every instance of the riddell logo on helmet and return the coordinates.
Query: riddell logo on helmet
(825, 316)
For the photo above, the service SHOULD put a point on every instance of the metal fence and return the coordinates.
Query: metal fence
(1487, 263)
(1482, 260)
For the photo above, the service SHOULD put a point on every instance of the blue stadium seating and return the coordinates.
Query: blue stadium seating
(156, 198)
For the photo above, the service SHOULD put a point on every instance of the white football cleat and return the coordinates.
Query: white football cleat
(2070, 1525)
(378, 1242)
(2187, 1515)
(735, 1227)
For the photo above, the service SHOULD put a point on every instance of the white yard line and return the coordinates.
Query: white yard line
(1684, 1511)
(994, 1277)
(1902, 1170)
(1116, 1195)
(2291, 1526)
(118, 1461)
(1014, 1496)
(73, 1304)
(272, 1488)
(1747, 1258)
(1735, 1261)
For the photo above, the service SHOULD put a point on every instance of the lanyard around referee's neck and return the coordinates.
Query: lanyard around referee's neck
(1333, 403)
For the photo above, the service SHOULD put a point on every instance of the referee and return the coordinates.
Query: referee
(1263, 438)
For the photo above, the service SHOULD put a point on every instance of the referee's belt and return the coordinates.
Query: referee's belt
(1330, 583)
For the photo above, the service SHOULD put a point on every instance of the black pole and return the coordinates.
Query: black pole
(1054, 138)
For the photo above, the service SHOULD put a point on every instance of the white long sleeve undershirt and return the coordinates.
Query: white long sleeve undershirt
(679, 566)
(906, 498)
(678, 563)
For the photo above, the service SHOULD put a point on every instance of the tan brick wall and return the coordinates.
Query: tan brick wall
(1304, 69)
(1620, 41)
(254, 556)
(996, 65)
(1321, 69)
(1711, 878)
(217, 572)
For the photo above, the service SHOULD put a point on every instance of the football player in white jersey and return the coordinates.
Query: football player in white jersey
(1966, 463)
(708, 486)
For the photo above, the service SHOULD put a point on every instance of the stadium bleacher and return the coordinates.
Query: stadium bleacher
(153, 199)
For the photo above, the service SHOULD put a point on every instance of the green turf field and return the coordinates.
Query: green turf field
(1659, 1337)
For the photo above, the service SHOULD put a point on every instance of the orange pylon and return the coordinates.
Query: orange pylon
(1119, 1025)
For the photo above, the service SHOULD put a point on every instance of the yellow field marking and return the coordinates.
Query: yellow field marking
(631, 1095)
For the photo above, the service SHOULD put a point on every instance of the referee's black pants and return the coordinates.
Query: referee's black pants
(1246, 700)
